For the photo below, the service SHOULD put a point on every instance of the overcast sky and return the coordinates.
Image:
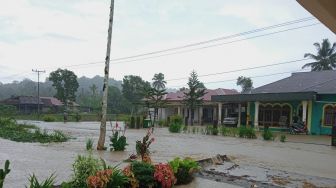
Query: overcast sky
(51, 34)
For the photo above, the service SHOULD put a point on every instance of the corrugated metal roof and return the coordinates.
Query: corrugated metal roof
(178, 96)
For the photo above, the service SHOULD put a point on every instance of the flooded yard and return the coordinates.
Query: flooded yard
(304, 156)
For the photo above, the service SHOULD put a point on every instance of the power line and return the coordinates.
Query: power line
(205, 42)
(220, 38)
(242, 69)
(229, 80)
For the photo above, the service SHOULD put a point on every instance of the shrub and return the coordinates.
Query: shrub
(162, 123)
(268, 135)
(118, 143)
(89, 144)
(164, 175)
(184, 169)
(244, 132)
(3, 173)
(144, 173)
(7, 110)
(175, 128)
(77, 117)
(283, 138)
(142, 147)
(176, 119)
(47, 183)
(49, 118)
(215, 131)
(83, 167)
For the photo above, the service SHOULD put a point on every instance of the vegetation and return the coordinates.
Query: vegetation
(193, 97)
(325, 58)
(83, 167)
(89, 144)
(142, 147)
(228, 131)
(175, 128)
(184, 169)
(178, 119)
(3, 173)
(49, 118)
(118, 143)
(47, 183)
(283, 138)
(268, 135)
(245, 83)
(65, 83)
(164, 175)
(144, 173)
(7, 110)
(9, 129)
(245, 132)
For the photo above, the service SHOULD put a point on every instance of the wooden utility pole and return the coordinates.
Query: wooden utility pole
(38, 91)
(102, 134)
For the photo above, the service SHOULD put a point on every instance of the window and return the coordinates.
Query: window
(329, 115)
(270, 115)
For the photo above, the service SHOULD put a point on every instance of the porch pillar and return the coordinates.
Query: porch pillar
(219, 113)
(214, 115)
(200, 115)
(256, 115)
(304, 111)
(239, 115)
(179, 110)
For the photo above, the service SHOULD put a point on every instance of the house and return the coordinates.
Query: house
(310, 96)
(205, 113)
(29, 104)
(24, 104)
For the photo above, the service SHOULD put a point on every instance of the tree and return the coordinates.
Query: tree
(102, 133)
(245, 83)
(133, 89)
(93, 88)
(155, 94)
(325, 58)
(116, 102)
(193, 96)
(158, 81)
(66, 85)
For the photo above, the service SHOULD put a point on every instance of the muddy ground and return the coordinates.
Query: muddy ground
(308, 156)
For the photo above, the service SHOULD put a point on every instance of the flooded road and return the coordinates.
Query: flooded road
(43, 159)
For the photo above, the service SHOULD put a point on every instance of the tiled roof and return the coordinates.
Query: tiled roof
(322, 82)
(178, 96)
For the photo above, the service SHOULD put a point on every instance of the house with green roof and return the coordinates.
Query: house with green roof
(310, 96)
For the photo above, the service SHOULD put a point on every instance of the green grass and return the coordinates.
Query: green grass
(11, 130)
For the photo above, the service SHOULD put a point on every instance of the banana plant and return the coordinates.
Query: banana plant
(3, 173)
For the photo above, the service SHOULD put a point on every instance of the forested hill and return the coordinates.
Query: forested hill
(29, 87)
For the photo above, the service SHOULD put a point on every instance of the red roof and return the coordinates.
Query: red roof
(179, 95)
(51, 101)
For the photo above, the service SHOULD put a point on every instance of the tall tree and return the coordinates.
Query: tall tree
(133, 89)
(93, 89)
(116, 102)
(245, 83)
(155, 94)
(65, 83)
(193, 96)
(102, 134)
(158, 81)
(325, 59)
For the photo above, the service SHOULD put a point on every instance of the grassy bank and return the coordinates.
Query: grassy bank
(11, 130)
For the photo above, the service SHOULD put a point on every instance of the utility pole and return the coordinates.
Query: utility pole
(102, 134)
(38, 91)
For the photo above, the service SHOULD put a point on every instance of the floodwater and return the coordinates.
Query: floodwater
(306, 155)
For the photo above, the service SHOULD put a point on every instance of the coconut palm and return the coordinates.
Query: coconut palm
(325, 58)
(158, 81)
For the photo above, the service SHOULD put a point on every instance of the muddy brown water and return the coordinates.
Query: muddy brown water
(43, 159)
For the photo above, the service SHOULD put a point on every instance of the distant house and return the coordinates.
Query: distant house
(24, 104)
(310, 96)
(205, 113)
(29, 104)
(51, 104)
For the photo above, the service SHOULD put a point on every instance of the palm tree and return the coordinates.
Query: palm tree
(158, 81)
(325, 58)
